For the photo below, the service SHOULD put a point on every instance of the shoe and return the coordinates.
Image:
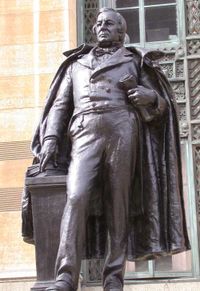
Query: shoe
(53, 288)
(60, 286)
(113, 289)
(56, 288)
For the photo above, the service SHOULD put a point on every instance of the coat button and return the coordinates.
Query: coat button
(108, 90)
(93, 104)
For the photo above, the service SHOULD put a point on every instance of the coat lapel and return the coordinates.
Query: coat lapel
(87, 59)
(122, 55)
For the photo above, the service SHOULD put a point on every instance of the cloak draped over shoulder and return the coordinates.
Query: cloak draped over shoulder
(157, 223)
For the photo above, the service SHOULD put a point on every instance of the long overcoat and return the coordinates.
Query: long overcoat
(157, 224)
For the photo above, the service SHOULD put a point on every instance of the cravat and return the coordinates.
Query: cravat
(98, 52)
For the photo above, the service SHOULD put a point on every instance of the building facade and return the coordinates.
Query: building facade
(34, 33)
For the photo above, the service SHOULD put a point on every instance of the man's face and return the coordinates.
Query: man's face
(107, 28)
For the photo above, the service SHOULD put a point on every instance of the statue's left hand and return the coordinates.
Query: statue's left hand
(49, 151)
(141, 96)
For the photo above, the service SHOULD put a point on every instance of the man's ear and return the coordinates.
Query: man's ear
(94, 29)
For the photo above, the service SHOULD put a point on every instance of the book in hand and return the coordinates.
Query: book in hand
(129, 82)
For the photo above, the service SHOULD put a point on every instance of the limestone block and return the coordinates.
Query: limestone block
(52, 5)
(72, 5)
(12, 173)
(16, 284)
(17, 258)
(18, 124)
(52, 25)
(72, 27)
(16, 28)
(16, 60)
(50, 56)
(13, 6)
(17, 91)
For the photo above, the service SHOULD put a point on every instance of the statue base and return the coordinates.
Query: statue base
(41, 286)
(48, 197)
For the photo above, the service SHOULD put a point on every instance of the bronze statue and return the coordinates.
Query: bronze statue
(110, 120)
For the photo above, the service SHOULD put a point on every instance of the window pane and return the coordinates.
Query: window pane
(151, 2)
(140, 266)
(132, 19)
(126, 3)
(176, 263)
(163, 264)
(160, 23)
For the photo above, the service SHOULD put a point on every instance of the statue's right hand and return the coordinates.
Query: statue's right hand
(49, 150)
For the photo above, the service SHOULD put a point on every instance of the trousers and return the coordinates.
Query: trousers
(102, 143)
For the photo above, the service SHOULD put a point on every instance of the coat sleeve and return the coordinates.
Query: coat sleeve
(59, 110)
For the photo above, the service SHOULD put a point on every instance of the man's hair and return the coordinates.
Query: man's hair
(121, 22)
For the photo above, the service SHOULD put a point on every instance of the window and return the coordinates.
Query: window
(149, 22)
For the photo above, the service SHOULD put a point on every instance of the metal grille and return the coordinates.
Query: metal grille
(193, 17)
(179, 69)
(193, 51)
(193, 46)
(168, 70)
(196, 132)
(95, 268)
(197, 166)
(182, 113)
(179, 90)
(91, 10)
(194, 77)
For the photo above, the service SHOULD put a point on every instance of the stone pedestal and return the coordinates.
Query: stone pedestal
(48, 195)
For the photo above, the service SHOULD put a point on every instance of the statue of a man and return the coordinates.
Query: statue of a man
(114, 109)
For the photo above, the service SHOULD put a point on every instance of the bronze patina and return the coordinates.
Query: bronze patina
(115, 110)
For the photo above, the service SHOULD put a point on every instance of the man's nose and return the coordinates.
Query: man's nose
(103, 24)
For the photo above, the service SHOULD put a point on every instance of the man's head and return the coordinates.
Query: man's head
(110, 28)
